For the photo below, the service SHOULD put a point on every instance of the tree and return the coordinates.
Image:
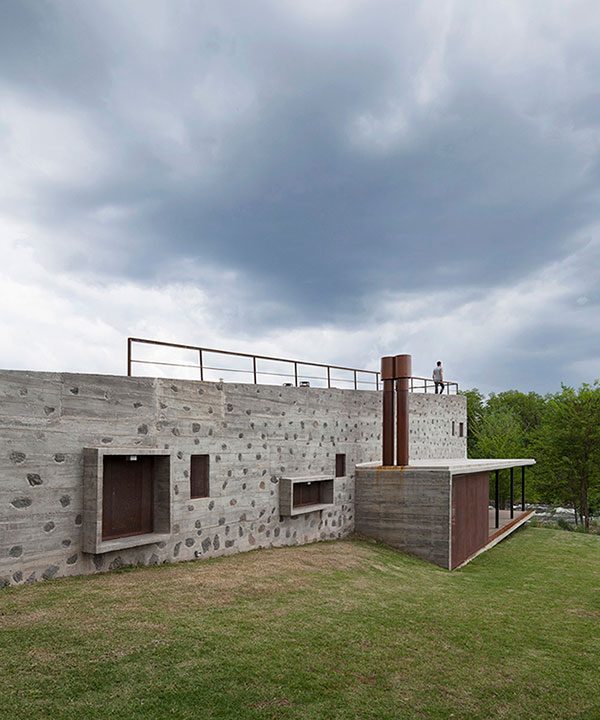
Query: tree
(500, 435)
(528, 408)
(475, 410)
(567, 448)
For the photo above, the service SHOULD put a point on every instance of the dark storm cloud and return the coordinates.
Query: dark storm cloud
(296, 151)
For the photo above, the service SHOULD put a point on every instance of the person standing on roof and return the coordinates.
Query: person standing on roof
(438, 377)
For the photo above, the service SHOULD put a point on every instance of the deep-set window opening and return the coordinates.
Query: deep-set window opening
(199, 476)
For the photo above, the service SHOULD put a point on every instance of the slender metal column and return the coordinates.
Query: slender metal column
(523, 488)
(128, 357)
(512, 493)
(497, 494)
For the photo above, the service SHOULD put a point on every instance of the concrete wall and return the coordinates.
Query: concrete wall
(409, 509)
(430, 426)
(254, 434)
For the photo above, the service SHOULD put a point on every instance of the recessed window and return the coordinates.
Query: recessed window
(461, 429)
(340, 465)
(308, 493)
(199, 476)
(128, 496)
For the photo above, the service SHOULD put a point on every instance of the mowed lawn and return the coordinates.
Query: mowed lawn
(345, 629)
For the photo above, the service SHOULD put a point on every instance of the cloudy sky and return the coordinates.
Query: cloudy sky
(332, 180)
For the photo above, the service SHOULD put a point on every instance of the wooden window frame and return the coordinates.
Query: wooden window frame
(304, 494)
(199, 476)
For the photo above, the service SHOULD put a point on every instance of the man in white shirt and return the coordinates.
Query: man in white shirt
(438, 377)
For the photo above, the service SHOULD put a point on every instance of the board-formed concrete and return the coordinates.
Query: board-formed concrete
(409, 509)
(254, 435)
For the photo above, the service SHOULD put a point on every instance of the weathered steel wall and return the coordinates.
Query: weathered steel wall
(470, 515)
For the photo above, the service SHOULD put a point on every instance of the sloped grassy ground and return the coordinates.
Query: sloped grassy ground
(343, 629)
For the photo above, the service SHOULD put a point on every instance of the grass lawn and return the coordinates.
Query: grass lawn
(344, 629)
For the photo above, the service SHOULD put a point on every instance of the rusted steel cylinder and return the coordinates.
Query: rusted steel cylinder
(388, 422)
(387, 375)
(388, 368)
(403, 371)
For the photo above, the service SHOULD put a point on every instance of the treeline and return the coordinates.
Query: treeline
(560, 431)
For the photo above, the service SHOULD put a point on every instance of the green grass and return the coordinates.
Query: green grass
(343, 629)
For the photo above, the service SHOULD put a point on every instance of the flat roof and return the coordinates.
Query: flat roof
(461, 466)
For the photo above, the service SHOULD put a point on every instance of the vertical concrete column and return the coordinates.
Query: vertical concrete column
(387, 375)
(402, 371)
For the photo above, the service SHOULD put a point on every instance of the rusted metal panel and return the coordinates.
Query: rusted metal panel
(470, 500)
(127, 497)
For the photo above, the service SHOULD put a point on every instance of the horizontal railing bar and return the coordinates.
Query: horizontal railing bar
(249, 355)
(251, 372)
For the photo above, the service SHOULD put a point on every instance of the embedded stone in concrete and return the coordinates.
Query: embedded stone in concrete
(17, 457)
(50, 572)
(65, 500)
(72, 559)
(21, 502)
(16, 551)
(34, 479)
(206, 544)
(49, 526)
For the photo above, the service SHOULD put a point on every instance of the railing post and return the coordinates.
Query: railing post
(328, 377)
(254, 367)
(497, 499)
(201, 364)
(296, 373)
(355, 384)
(376, 381)
(512, 493)
(523, 488)
(128, 357)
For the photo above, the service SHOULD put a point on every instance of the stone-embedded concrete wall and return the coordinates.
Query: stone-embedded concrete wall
(253, 434)
(409, 509)
(430, 426)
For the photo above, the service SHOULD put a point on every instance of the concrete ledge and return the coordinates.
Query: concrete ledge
(457, 466)
(131, 541)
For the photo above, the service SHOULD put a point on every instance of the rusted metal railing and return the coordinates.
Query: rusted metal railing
(295, 374)
(296, 365)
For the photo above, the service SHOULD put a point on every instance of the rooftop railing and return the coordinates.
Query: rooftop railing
(202, 363)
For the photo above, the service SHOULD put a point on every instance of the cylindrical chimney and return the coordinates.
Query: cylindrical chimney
(403, 372)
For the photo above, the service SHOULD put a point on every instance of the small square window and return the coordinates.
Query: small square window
(340, 465)
(461, 429)
(199, 476)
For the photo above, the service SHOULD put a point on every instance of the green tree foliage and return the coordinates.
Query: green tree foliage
(528, 408)
(567, 448)
(499, 435)
(475, 411)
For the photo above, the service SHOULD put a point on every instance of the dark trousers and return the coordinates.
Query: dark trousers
(441, 384)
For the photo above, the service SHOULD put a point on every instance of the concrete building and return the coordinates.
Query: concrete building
(98, 472)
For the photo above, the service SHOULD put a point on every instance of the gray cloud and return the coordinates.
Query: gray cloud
(326, 159)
